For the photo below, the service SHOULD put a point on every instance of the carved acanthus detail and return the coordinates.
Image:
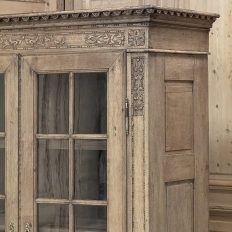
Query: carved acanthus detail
(136, 38)
(26, 41)
(137, 66)
(116, 38)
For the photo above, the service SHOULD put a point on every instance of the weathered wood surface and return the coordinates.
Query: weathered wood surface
(157, 102)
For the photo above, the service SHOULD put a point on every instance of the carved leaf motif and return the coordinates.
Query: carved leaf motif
(107, 38)
(138, 85)
(136, 38)
(31, 41)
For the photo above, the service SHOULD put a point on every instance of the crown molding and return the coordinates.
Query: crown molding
(110, 12)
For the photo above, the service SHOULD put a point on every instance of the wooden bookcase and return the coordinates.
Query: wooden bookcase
(106, 120)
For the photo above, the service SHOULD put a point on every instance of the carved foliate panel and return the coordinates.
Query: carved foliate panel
(137, 72)
(66, 39)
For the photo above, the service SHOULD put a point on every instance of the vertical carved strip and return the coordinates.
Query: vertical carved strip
(138, 144)
(137, 72)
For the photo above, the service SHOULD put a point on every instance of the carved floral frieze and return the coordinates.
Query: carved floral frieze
(106, 38)
(67, 39)
(30, 41)
(137, 70)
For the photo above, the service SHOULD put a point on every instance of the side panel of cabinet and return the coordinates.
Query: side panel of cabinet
(178, 143)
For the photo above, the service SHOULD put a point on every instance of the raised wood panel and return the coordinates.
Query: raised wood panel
(179, 167)
(179, 67)
(179, 116)
(220, 226)
(180, 207)
(161, 38)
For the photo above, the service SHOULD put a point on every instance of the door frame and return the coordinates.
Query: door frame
(114, 63)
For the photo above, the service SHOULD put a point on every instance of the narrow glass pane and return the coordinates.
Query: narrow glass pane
(53, 217)
(90, 218)
(90, 169)
(2, 215)
(2, 103)
(2, 166)
(90, 103)
(53, 169)
(53, 104)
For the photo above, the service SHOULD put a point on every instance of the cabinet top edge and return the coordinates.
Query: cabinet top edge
(108, 12)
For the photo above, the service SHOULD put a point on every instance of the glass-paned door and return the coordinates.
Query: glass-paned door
(72, 152)
(74, 127)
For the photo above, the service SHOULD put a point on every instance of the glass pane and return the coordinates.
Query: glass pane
(90, 169)
(2, 215)
(2, 166)
(53, 104)
(90, 218)
(53, 169)
(90, 103)
(53, 217)
(2, 103)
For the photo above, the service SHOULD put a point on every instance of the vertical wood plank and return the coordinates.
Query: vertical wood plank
(116, 155)
(60, 5)
(69, 4)
(12, 177)
(35, 109)
(156, 129)
(130, 169)
(27, 138)
(201, 143)
(71, 150)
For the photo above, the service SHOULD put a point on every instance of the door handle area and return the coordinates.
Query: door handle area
(28, 227)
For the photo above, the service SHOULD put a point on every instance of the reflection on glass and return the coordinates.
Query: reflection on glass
(53, 217)
(2, 215)
(53, 169)
(2, 103)
(2, 166)
(90, 218)
(90, 103)
(53, 103)
(90, 170)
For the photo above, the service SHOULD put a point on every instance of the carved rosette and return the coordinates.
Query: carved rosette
(136, 38)
(116, 38)
(137, 66)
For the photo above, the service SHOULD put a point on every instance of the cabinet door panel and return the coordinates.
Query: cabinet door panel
(73, 143)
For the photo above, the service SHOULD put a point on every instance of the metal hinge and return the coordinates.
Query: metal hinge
(127, 116)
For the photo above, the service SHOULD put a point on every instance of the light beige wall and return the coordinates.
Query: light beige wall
(12, 6)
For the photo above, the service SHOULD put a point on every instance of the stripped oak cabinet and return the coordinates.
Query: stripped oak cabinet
(104, 121)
